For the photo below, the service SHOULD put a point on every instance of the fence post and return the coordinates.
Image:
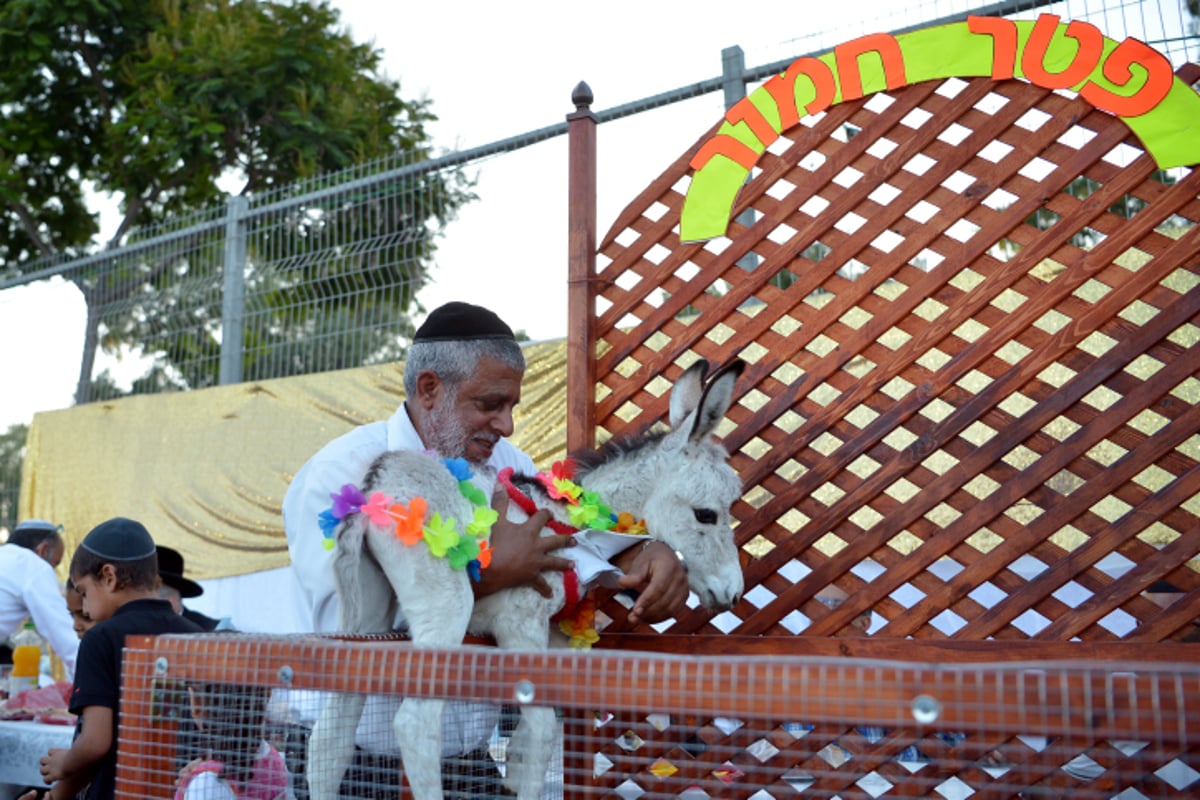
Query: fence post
(581, 250)
(233, 297)
(733, 84)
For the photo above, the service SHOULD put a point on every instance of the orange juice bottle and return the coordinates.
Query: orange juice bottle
(27, 656)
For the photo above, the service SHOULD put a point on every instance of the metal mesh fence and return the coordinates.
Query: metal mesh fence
(644, 725)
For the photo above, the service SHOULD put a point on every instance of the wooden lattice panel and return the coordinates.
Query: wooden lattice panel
(970, 313)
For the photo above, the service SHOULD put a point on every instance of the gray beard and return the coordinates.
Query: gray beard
(446, 433)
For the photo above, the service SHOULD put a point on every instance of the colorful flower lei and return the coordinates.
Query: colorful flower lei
(586, 509)
(580, 626)
(470, 551)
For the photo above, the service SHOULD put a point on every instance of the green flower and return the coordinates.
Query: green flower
(484, 519)
(463, 553)
(473, 493)
(441, 535)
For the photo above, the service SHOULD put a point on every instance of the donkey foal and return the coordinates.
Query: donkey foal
(679, 482)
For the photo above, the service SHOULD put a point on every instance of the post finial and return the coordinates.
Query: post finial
(582, 96)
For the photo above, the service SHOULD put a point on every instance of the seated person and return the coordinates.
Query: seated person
(237, 761)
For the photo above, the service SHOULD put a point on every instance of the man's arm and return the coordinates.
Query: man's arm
(311, 564)
(658, 576)
(48, 609)
(75, 766)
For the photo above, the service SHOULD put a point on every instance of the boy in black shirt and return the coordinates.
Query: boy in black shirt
(115, 570)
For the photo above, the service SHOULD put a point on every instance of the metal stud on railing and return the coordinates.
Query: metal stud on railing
(925, 709)
(524, 692)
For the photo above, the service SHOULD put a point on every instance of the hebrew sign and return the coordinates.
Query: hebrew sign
(1128, 79)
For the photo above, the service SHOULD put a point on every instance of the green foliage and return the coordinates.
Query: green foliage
(154, 102)
(12, 454)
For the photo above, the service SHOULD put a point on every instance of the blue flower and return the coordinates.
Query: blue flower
(328, 522)
(459, 468)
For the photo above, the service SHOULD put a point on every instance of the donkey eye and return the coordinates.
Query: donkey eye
(705, 516)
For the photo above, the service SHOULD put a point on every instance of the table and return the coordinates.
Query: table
(22, 745)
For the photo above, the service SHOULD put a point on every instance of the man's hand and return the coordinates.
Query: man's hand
(520, 554)
(658, 576)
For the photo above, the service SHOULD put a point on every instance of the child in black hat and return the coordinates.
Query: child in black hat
(175, 587)
(115, 571)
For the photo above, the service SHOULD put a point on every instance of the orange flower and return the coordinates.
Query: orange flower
(626, 524)
(485, 554)
(410, 522)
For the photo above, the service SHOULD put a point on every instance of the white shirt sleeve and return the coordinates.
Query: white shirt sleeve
(48, 610)
(306, 498)
(344, 460)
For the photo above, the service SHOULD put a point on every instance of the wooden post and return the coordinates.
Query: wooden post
(581, 253)
(581, 346)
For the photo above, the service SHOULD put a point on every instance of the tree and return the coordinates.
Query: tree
(154, 102)
(12, 455)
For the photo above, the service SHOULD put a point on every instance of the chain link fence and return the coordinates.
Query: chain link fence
(323, 274)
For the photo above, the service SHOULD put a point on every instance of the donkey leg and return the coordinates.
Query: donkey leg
(366, 606)
(533, 742)
(331, 745)
(437, 606)
(418, 723)
(530, 751)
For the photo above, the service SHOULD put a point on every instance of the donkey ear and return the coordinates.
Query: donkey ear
(716, 400)
(686, 394)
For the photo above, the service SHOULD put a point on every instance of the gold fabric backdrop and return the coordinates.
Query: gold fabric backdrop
(206, 470)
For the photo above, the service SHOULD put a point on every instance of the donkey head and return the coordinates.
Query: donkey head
(689, 506)
(683, 486)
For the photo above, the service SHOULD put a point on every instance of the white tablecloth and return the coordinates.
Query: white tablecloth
(22, 745)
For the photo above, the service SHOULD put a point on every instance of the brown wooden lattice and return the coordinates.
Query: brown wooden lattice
(969, 309)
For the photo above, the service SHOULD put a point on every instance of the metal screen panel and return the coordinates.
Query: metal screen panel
(747, 726)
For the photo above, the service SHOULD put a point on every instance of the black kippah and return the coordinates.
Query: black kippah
(119, 539)
(461, 322)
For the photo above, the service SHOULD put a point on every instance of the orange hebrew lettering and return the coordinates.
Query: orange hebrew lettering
(1004, 43)
(1159, 79)
(847, 56)
(782, 89)
(724, 145)
(1033, 60)
(745, 111)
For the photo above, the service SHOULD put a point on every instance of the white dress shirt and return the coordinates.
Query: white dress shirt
(29, 589)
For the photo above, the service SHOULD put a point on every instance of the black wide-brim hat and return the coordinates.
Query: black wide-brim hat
(170, 569)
